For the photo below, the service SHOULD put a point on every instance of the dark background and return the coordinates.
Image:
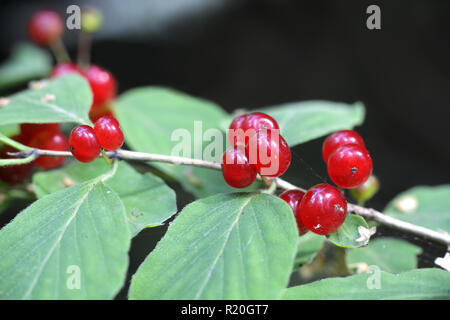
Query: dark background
(249, 54)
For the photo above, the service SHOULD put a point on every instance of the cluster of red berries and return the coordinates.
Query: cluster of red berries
(323, 208)
(256, 146)
(47, 136)
(86, 142)
(45, 28)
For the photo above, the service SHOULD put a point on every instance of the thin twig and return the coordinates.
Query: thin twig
(59, 51)
(367, 213)
(84, 50)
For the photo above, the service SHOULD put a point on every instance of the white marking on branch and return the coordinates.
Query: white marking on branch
(444, 262)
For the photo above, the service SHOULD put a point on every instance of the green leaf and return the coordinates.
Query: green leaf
(161, 112)
(228, 246)
(10, 130)
(347, 235)
(27, 62)
(389, 254)
(428, 207)
(304, 121)
(308, 246)
(206, 182)
(81, 231)
(147, 199)
(63, 99)
(412, 285)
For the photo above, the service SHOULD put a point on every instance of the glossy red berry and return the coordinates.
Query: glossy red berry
(55, 141)
(270, 153)
(108, 132)
(29, 130)
(236, 169)
(63, 69)
(14, 174)
(338, 139)
(250, 124)
(45, 26)
(103, 85)
(293, 198)
(233, 134)
(322, 209)
(237, 122)
(258, 121)
(350, 166)
(83, 144)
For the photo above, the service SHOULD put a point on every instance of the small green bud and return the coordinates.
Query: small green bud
(91, 20)
(366, 191)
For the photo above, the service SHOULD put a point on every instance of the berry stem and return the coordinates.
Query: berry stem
(108, 161)
(361, 202)
(13, 143)
(11, 162)
(265, 181)
(84, 50)
(367, 213)
(59, 51)
(271, 189)
(271, 186)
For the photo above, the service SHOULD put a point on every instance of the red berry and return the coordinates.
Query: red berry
(236, 124)
(108, 132)
(55, 141)
(83, 144)
(258, 121)
(340, 138)
(17, 173)
(103, 85)
(45, 26)
(293, 198)
(29, 130)
(250, 124)
(350, 166)
(270, 153)
(323, 209)
(63, 69)
(236, 169)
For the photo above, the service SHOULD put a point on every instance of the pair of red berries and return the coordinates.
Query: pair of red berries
(322, 209)
(102, 83)
(348, 162)
(47, 136)
(256, 146)
(86, 142)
